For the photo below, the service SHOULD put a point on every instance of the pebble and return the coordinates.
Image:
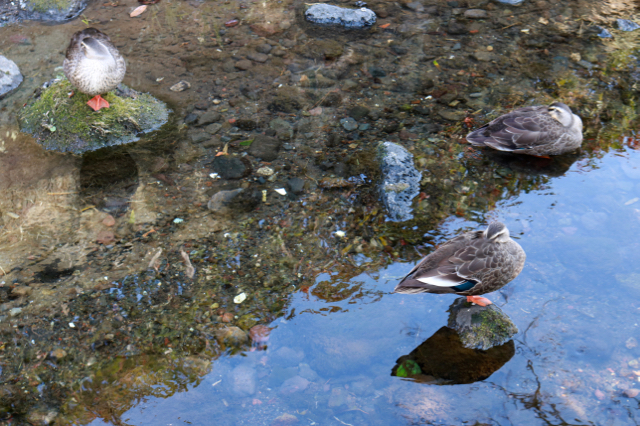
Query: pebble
(490, 48)
(180, 86)
(10, 77)
(243, 378)
(220, 200)
(285, 419)
(214, 128)
(631, 393)
(259, 333)
(294, 384)
(108, 220)
(209, 117)
(476, 14)
(265, 171)
(511, 2)
(264, 48)
(358, 112)
(199, 137)
(15, 311)
(229, 167)
(57, 354)
(258, 57)
(265, 147)
(327, 14)
(243, 64)
(21, 291)
(349, 124)
(296, 185)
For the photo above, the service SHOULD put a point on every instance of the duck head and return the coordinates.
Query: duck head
(498, 232)
(561, 113)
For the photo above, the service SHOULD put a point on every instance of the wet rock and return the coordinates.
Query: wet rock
(457, 28)
(233, 336)
(285, 420)
(15, 312)
(246, 124)
(400, 181)
(265, 147)
(603, 32)
(37, 10)
(208, 118)
(287, 99)
(377, 72)
(264, 48)
(243, 64)
(480, 327)
(296, 185)
(190, 118)
(349, 124)
(338, 397)
(214, 128)
(358, 112)
(258, 57)
(294, 384)
(283, 129)
(229, 167)
(631, 393)
(21, 291)
(220, 201)
(326, 14)
(476, 14)
(416, 6)
(451, 115)
(71, 126)
(307, 372)
(10, 77)
(243, 379)
(287, 356)
(626, 25)
(180, 86)
(483, 56)
(511, 2)
(198, 137)
(57, 354)
(260, 333)
(41, 415)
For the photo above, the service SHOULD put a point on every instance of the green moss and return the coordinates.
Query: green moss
(67, 124)
(45, 5)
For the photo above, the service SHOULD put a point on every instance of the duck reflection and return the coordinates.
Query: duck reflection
(533, 166)
(475, 344)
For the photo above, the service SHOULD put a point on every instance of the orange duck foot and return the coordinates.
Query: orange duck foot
(482, 301)
(97, 103)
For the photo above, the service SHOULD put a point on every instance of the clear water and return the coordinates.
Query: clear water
(329, 356)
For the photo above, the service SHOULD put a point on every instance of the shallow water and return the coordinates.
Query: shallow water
(144, 343)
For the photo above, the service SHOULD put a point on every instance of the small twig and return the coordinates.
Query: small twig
(509, 26)
(348, 424)
(62, 193)
(154, 260)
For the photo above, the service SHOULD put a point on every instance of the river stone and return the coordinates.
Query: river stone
(10, 77)
(258, 57)
(480, 327)
(40, 10)
(208, 118)
(228, 167)
(349, 124)
(511, 2)
(627, 25)
(67, 124)
(327, 14)
(400, 181)
(243, 379)
(476, 14)
(265, 147)
(219, 202)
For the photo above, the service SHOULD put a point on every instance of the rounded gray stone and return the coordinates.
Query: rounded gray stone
(327, 14)
(10, 77)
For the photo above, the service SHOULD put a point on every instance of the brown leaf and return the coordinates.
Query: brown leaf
(138, 11)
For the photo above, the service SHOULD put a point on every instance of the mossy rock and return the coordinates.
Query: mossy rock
(67, 124)
(480, 327)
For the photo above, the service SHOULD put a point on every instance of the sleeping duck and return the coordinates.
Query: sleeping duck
(470, 264)
(540, 131)
(93, 65)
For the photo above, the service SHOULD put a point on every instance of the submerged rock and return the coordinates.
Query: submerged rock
(40, 10)
(512, 2)
(480, 327)
(10, 77)
(443, 360)
(62, 123)
(400, 181)
(327, 14)
(627, 25)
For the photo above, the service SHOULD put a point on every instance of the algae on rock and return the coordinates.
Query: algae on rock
(60, 120)
(480, 327)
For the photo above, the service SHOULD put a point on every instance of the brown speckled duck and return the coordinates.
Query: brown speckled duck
(538, 130)
(470, 264)
(93, 65)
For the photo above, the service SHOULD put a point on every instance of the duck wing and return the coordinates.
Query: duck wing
(524, 128)
(452, 268)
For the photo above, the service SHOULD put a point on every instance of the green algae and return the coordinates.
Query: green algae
(480, 327)
(46, 5)
(64, 123)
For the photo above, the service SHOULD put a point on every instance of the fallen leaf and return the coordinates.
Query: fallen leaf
(385, 26)
(138, 11)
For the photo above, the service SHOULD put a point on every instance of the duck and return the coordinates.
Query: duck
(540, 131)
(93, 65)
(471, 264)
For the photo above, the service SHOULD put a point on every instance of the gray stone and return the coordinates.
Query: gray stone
(400, 180)
(307, 372)
(283, 129)
(480, 327)
(511, 2)
(53, 11)
(358, 112)
(229, 167)
(208, 118)
(457, 28)
(214, 128)
(604, 33)
(416, 6)
(258, 57)
(219, 202)
(198, 137)
(349, 124)
(476, 14)
(294, 384)
(265, 147)
(10, 77)
(243, 64)
(264, 48)
(326, 14)
(451, 115)
(296, 185)
(483, 56)
(626, 25)
(243, 379)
